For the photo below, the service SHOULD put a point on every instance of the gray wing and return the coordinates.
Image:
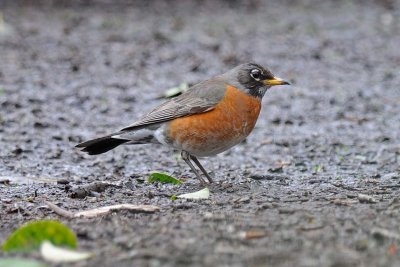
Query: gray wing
(200, 98)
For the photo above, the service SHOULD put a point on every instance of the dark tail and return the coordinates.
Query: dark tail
(100, 145)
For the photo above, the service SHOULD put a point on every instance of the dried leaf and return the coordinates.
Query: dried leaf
(202, 194)
(253, 234)
(52, 253)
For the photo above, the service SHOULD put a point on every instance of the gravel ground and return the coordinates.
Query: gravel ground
(315, 184)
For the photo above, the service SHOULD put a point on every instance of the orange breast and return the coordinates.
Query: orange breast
(210, 133)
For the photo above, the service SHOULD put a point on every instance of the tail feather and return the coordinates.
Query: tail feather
(101, 145)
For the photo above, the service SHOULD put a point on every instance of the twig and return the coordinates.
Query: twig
(102, 210)
(59, 211)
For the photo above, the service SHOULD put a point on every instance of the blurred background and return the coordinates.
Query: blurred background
(73, 70)
(70, 70)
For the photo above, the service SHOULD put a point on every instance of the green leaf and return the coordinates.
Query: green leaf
(52, 253)
(163, 178)
(202, 194)
(30, 236)
(19, 262)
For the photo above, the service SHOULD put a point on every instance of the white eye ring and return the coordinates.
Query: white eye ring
(255, 74)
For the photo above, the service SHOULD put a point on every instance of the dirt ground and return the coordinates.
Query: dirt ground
(293, 194)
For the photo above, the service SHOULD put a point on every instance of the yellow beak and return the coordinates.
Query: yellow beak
(275, 81)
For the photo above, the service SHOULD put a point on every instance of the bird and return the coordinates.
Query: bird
(209, 118)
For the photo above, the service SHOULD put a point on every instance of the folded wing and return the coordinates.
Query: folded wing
(200, 98)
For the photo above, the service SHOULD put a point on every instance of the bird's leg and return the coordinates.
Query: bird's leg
(186, 157)
(197, 162)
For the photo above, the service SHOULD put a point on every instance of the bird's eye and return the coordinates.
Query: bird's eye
(255, 74)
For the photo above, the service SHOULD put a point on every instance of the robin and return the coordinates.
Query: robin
(209, 118)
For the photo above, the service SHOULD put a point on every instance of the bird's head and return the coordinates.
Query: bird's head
(253, 79)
